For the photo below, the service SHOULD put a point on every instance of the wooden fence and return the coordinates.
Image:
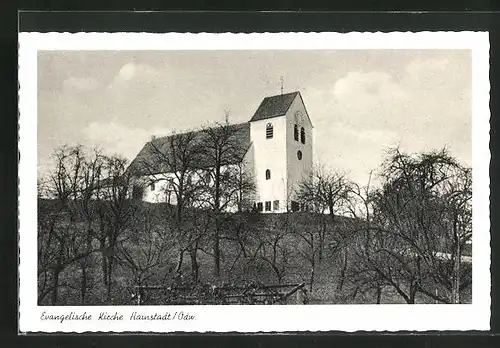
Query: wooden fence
(222, 295)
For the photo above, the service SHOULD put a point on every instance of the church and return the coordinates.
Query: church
(278, 153)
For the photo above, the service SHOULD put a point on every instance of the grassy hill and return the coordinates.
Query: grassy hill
(153, 248)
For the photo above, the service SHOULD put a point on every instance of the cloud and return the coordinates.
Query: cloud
(362, 113)
(436, 73)
(127, 72)
(81, 83)
(372, 85)
(134, 72)
(355, 151)
(359, 106)
(115, 138)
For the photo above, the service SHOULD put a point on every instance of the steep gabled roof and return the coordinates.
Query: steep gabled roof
(274, 106)
(146, 160)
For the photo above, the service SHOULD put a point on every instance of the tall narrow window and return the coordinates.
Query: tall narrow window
(296, 133)
(152, 186)
(276, 205)
(302, 135)
(259, 206)
(269, 131)
(268, 206)
(268, 174)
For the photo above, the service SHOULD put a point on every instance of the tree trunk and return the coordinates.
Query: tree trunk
(84, 264)
(180, 261)
(311, 279)
(322, 233)
(110, 261)
(413, 292)
(83, 284)
(455, 286)
(355, 293)
(194, 264)
(57, 272)
(104, 264)
(55, 290)
(110, 278)
(217, 247)
(343, 271)
(379, 294)
(217, 208)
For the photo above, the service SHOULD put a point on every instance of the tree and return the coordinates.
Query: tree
(274, 237)
(421, 212)
(308, 245)
(144, 249)
(83, 199)
(65, 219)
(359, 209)
(225, 181)
(115, 210)
(324, 191)
(179, 155)
(458, 196)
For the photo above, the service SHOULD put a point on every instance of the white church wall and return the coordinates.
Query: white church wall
(270, 154)
(248, 167)
(248, 161)
(297, 169)
(157, 188)
(277, 154)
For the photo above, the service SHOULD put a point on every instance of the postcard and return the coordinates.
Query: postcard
(258, 182)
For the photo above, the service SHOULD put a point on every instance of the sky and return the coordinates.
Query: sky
(361, 102)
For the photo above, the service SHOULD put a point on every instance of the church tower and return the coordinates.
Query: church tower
(281, 133)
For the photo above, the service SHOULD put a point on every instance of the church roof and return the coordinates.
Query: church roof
(274, 106)
(146, 160)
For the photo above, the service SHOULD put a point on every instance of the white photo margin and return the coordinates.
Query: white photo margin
(349, 318)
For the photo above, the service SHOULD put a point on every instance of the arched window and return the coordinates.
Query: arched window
(302, 135)
(269, 131)
(268, 174)
(296, 133)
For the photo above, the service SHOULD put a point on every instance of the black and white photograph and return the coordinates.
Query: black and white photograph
(178, 178)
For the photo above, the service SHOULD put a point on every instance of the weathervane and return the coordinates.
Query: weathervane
(281, 79)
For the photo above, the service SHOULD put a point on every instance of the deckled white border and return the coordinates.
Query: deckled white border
(475, 316)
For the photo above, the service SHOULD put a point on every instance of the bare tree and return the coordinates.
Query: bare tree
(225, 182)
(115, 209)
(308, 244)
(179, 156)
(327, 192)
(64, 241)
(144, 248)
(324, 191)
(274, 240)
(416, 221)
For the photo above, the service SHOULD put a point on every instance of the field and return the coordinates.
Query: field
(79, 266)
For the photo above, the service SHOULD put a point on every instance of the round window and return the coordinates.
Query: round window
(299, 155)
